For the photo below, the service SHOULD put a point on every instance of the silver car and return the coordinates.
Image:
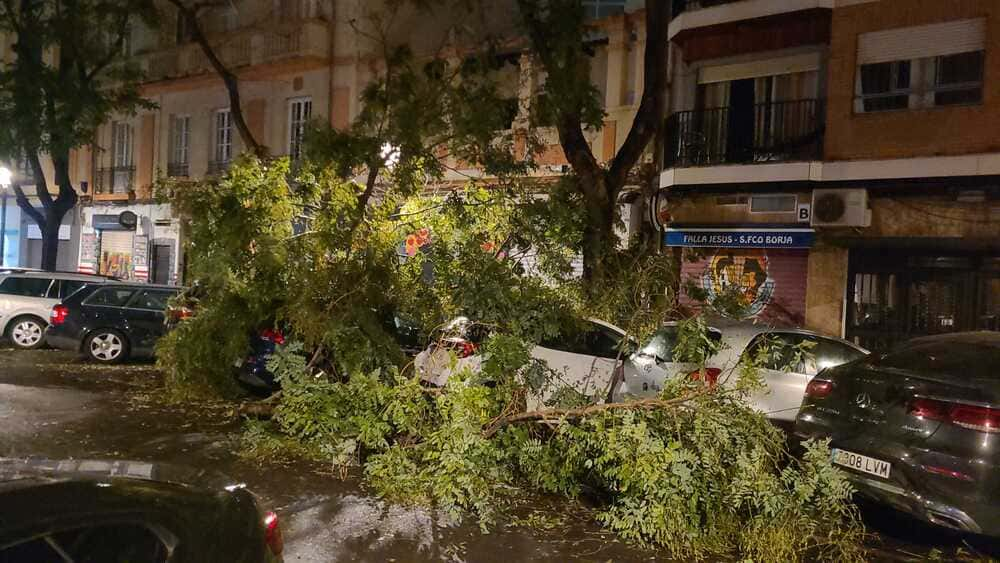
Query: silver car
(27, 298)
(784, 372)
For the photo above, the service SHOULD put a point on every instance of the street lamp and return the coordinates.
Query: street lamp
(5, 177)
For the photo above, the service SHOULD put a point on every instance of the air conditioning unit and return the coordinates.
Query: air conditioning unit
(840, 208)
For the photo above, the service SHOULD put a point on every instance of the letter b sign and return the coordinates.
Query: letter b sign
(804, 212)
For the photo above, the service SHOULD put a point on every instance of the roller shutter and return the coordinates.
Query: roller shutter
(934, 40)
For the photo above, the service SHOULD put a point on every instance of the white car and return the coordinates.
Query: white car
(27, 298)
(645, 372)
(584, 361)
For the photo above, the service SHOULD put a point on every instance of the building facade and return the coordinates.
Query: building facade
(835, 162)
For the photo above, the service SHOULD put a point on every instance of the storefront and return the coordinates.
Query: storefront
(757, 272)
(896, 293)
(137, 242)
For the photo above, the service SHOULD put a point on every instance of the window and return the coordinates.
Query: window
(25, 287)
(773, 203)
(922, 83)
(787, 352)
(661, 346)
(958, 79)
(121, 157)
(180, 143)
(885, 86)
(829, 353)
(69, 287)
(110, 297)
(184, 33)
(112, 543)
(299, 112)
(223, 136)
(602, 8)
(151, 299)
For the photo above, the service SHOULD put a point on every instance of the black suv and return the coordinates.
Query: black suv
(111, 322)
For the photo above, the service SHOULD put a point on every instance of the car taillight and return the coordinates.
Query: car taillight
(272, 336)
(711, 375)
(58, 315)
(272, 534)
(466, 349)
(819, 389)
(983, 419)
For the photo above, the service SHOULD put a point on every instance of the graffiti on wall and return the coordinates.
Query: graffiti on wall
(749, 283)
(117, 264)
(741, 276)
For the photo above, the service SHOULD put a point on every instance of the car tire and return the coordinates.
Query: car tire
(27, 332)
(106, 346)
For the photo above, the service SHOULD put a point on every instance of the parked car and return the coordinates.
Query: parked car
(27, 297)
(254, 376)
(918, 428)
(110, 322)
(584, 359)
(126, 512)
(785, 373)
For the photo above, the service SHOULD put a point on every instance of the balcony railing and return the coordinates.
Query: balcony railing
(772, 132)
(178, 169)
(114, 180)
(241, 48)
(218, 167)
(681, 6)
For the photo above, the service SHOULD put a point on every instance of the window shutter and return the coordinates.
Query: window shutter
(934, 40)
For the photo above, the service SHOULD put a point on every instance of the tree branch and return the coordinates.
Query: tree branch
(25, 205)
(556, 415)
(229, 79)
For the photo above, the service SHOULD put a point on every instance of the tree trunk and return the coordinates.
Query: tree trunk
(598, 233)
(50, 239)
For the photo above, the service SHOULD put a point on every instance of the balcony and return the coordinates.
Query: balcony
(242, 48)
(117, 180)
(178, 170)
(681, 6)
(765, 133)
(694, 14)
(218, 167)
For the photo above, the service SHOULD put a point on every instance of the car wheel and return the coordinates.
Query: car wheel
(106, 346)
(27, 333)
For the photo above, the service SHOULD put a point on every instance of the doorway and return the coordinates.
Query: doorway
(161, 263)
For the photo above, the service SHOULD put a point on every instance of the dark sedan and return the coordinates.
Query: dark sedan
(127, 511)
(110, 322)
(918, 428)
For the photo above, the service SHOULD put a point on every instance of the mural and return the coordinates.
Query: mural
(741, 275)
(748, 283)
(117, 264)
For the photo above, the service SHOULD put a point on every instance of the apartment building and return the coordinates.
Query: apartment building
(836, 161)
(281, 52)
(297, 60)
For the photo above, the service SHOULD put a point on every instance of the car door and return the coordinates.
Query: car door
(104, 307)
(785, 370)
(145, 316)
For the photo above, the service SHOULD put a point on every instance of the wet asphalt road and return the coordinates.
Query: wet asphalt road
(55, 405)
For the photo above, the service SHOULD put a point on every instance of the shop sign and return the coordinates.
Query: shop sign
(740, 238)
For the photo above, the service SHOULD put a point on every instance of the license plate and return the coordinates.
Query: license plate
(862, 463)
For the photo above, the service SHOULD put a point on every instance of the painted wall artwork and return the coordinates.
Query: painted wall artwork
(117, 264)
(765, 285)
